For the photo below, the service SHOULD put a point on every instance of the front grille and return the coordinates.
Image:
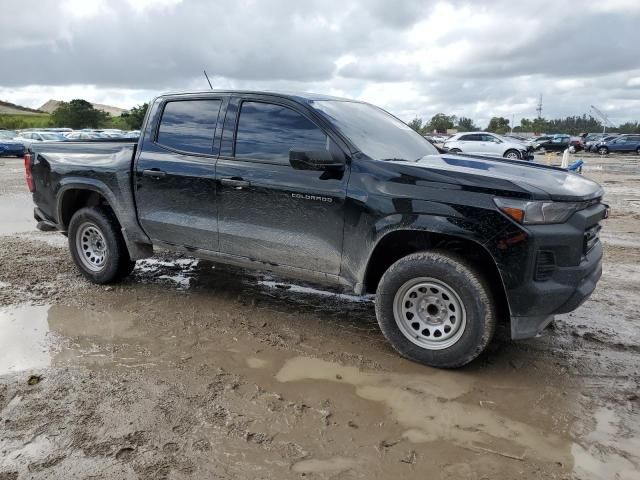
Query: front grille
(545, 265)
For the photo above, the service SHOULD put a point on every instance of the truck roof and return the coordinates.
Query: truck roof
(298, 96)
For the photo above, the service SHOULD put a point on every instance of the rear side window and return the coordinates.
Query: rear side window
(267, 132)
(474, 137)
(189, 125)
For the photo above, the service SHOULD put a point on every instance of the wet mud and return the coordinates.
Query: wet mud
(193, 370)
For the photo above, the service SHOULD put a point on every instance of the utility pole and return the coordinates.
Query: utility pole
(539, 108)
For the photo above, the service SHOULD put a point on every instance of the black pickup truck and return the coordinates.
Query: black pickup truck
(336, 192)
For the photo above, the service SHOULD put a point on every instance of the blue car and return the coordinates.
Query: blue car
(620, 144)
(10, 147)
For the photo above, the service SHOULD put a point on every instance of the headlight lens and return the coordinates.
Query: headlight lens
(538, 213)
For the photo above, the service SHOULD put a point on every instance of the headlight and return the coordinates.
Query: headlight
(538, 213)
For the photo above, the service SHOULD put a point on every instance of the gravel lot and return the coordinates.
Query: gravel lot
(190, 370)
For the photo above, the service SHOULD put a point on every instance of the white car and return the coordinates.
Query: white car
(27, 138)
(485, 143)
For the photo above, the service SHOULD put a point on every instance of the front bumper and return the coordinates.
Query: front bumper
(551, 269)
(569, 288)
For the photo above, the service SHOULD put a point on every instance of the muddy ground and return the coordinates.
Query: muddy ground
(190, 370)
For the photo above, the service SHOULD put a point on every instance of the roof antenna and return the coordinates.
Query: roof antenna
(207, 77)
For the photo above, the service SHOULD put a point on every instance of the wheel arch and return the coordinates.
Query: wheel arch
(76, 194)
(397, 244)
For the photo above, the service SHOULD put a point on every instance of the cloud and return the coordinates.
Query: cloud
(411, 57)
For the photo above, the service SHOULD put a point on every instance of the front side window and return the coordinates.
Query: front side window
(268, 131)
(189, 125)
(375, 132)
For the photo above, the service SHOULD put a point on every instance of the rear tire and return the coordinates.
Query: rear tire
(436, 309)
(638, 151)
(455, 150)
(97, 246)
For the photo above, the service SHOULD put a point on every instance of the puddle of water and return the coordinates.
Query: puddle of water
(423, 407)
(16, 212)
(23, 338)
(602, 453)
(331, 465)
(254, 362)
(431, 406)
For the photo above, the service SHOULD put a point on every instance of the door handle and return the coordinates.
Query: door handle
(236, 182)
(154, 172)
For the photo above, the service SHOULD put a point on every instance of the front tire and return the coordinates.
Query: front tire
(455, 150)
(436, 309)
(97, 246)
(512, 155)
(603, 151)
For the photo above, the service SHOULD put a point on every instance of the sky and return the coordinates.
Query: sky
(414, 58)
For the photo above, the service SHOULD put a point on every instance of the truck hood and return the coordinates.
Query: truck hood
(539, 181)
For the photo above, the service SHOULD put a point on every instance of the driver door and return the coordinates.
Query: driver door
(267, 210)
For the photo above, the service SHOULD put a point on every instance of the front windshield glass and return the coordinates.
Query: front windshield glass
(7, 135)
(375, 132)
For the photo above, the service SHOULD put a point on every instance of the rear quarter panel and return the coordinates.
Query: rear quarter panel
(104, 167)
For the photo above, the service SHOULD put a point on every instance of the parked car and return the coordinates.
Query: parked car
(537, 140)
(620, 144)
(594, 138)
(82, 135)
(28, 138)
(594, 146)
(339, 192)
(9, 146)
(485, 143)
(560, 143)
(132, 134)
(517, 138)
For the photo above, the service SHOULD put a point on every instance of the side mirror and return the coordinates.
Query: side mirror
(313, 160)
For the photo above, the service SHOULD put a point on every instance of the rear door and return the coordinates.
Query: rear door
(471, 143)
(634, 143)
(267, 210)
(175, 173)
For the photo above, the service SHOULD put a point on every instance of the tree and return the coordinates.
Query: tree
(78, 114)
(629, 127)
(416, 124)
(465, 124)
(498, 125)
(134, 117)
(441, 122)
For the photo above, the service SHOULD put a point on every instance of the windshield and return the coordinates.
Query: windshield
(375, 132)
(7, 135)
